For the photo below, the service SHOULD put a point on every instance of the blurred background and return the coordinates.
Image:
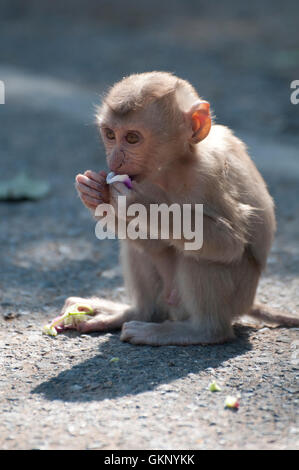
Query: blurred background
(57, 58)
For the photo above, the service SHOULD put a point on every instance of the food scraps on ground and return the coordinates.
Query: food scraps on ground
(232, 402)
(70, 319)
(114, 359)
(214, 387)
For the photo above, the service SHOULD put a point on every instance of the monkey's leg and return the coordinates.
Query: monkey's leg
(165, 262)
(108, 315)
(143, 283)
(143, 286)
(211, 296)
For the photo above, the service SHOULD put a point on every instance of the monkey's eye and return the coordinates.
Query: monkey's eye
(132, 138)
(110, 134)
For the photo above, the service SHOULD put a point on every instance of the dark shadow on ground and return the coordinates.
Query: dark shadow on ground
(139, 368)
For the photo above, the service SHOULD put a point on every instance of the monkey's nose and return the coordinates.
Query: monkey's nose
(115, 166)
(117, 162)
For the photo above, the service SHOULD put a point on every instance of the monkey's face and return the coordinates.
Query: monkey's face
(145, 141)
(127, 149)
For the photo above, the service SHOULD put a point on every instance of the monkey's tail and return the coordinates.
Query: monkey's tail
(272, 316)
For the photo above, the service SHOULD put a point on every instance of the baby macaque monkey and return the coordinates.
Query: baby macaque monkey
(157, 129)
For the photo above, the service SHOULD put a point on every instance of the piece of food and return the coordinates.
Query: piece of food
(49, 330)
(232, 402)
(114, 359)
(214, 387)
(69, 319)
(113, 178)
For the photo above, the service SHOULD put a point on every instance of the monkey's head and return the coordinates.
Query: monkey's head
(147, 120)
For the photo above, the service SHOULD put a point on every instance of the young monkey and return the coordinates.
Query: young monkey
(157, 130)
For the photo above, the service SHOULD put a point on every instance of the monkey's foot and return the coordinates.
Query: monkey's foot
(166, 333)
(108, 315)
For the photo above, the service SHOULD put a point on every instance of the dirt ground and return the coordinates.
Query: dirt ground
(65, 392)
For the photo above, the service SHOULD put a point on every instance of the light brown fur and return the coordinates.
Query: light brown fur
(179, 159)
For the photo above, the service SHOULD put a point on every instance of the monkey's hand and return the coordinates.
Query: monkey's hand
(122, 200)
(117, 190)
(120, 189)
(92, 189)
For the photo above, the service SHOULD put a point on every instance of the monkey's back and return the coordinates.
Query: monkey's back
(240, 187)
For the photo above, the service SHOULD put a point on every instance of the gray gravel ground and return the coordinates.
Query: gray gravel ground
(64, 392)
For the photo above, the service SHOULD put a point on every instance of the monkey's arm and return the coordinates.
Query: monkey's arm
(221, 242)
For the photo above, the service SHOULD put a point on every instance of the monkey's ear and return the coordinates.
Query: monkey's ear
(201, 122)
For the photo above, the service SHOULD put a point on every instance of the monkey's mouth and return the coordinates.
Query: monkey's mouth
(132, 177)
(113, 177)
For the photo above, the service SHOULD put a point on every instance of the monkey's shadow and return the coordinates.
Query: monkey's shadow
(136, 369)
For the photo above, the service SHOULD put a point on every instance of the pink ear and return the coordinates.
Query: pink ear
(201, 120)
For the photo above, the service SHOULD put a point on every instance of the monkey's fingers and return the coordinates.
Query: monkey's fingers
(90, 202)
(97, 177)
(82, 179)
(86, 190)
(99, 186)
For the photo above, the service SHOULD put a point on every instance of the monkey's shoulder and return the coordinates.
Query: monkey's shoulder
(222, 140)
(227, 153)
(224, 163)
